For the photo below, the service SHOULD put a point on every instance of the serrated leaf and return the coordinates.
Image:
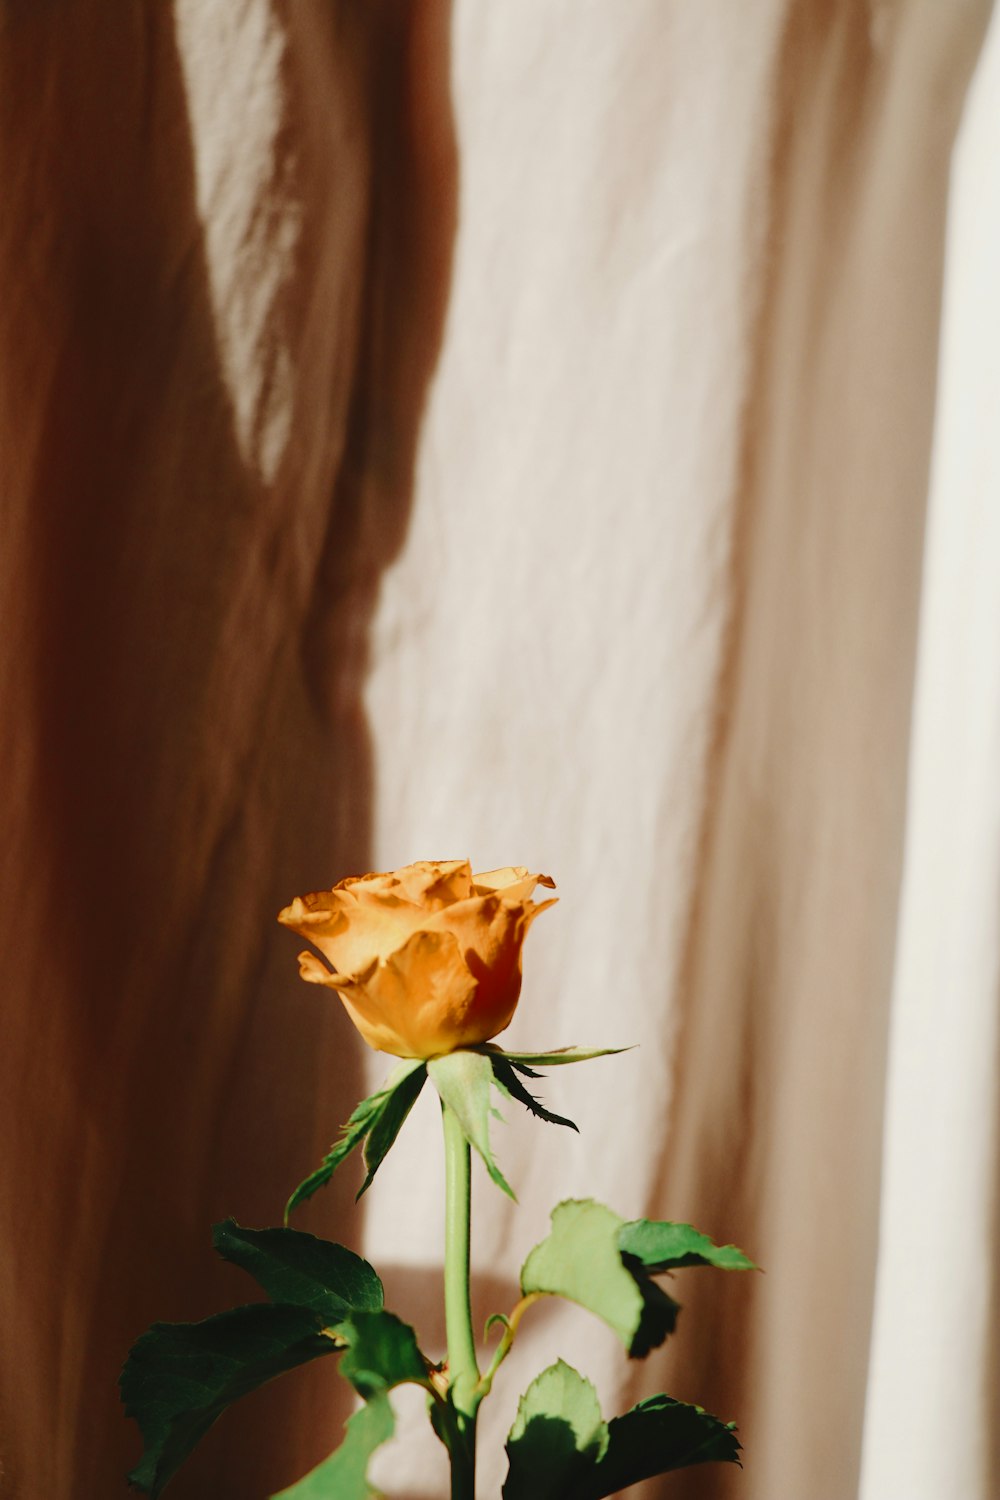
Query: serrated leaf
(508, 1083)
(464, 1079)
(659, 1316)
(180, 1377)
(662, 1246)
(380, 1116)
(301, 1270)
(557, 1437)
(560, 1449)
(581, 1260)
(382, 1352)
(344, 1475)
(657, 1437)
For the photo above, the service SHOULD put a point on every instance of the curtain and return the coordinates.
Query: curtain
(561, 435)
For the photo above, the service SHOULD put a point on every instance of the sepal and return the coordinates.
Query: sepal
(559, 1057)
(507, 1081)
(464, 1078)
(375, 1124)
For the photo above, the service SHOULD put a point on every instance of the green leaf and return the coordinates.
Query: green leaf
(659, 1316)
(662, 1246)
(656, 1437)
(464, 1079)
(559, 1447)
(382, 1352)
(509, 1084)
(557, 1437)
(180, 1377)
(581, 1260)
(344, 1475)
(376, 1122)
(302, 1271)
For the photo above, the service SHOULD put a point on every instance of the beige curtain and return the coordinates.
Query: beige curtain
(508, 431)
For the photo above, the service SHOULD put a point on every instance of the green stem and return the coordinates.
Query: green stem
(463, 1371)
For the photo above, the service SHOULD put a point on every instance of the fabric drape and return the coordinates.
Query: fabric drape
(548, 434)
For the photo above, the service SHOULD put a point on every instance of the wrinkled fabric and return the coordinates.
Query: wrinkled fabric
(507, 431)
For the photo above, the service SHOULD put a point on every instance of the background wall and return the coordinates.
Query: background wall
(442, 430)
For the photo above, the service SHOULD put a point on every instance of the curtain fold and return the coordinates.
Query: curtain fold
(506, 431)
(937, 1373)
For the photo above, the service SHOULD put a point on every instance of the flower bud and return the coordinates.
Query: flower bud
(426, 958)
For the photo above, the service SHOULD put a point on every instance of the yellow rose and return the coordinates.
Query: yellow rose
(427, 958)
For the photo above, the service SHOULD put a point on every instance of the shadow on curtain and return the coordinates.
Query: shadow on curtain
(184, 745)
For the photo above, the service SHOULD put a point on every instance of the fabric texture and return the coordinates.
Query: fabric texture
(554, 435)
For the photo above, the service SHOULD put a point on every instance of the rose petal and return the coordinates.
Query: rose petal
(354, 884)
(435, 883)
(418, 1002)
(429, 883)
(425, 959)
(488, 926)
(490, 931)
(347, 934)
(493, 880)
(514, 882)
(312, 970)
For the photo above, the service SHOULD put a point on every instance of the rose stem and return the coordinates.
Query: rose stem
(463, 1372)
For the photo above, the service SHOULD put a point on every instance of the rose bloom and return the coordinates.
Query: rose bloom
(427, 958)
